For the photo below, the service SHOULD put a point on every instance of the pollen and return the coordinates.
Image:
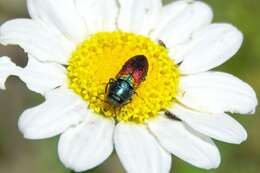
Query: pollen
(101, 57)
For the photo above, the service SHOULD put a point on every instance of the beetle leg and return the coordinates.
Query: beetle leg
(111, 80)
(106, 87)
(136, 93)
(125, 104)
(102, 100)
(115, 110)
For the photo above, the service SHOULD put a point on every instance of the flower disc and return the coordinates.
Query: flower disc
(100, 58)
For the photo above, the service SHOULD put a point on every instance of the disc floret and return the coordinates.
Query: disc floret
(99, 58)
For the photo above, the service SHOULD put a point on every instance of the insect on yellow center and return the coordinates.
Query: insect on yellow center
(102, 56)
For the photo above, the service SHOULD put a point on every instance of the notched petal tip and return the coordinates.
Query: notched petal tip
(61, 110)
(42, 77)
(88, 145)
(37, 39)
(7, 68)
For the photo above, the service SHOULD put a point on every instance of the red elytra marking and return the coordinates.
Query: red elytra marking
(138, 76)
(137, 67)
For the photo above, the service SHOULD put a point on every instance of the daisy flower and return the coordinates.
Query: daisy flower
(75, 46)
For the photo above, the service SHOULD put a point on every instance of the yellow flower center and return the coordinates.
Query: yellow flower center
(101, 57)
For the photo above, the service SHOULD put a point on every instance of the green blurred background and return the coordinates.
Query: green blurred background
(18, 155)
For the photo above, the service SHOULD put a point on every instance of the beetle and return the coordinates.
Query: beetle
(119, 91)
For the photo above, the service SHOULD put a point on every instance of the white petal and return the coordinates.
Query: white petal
(87, 145)
(61, 110)
(139, 16)
(180, 19)
(209, 48)
(219, 126)
(185, 143)
(99, 15)
(60, 14)
(217, 92)
(172, 10)
(7, 68)
(36, 39)
(42, 77)
(139, 151)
